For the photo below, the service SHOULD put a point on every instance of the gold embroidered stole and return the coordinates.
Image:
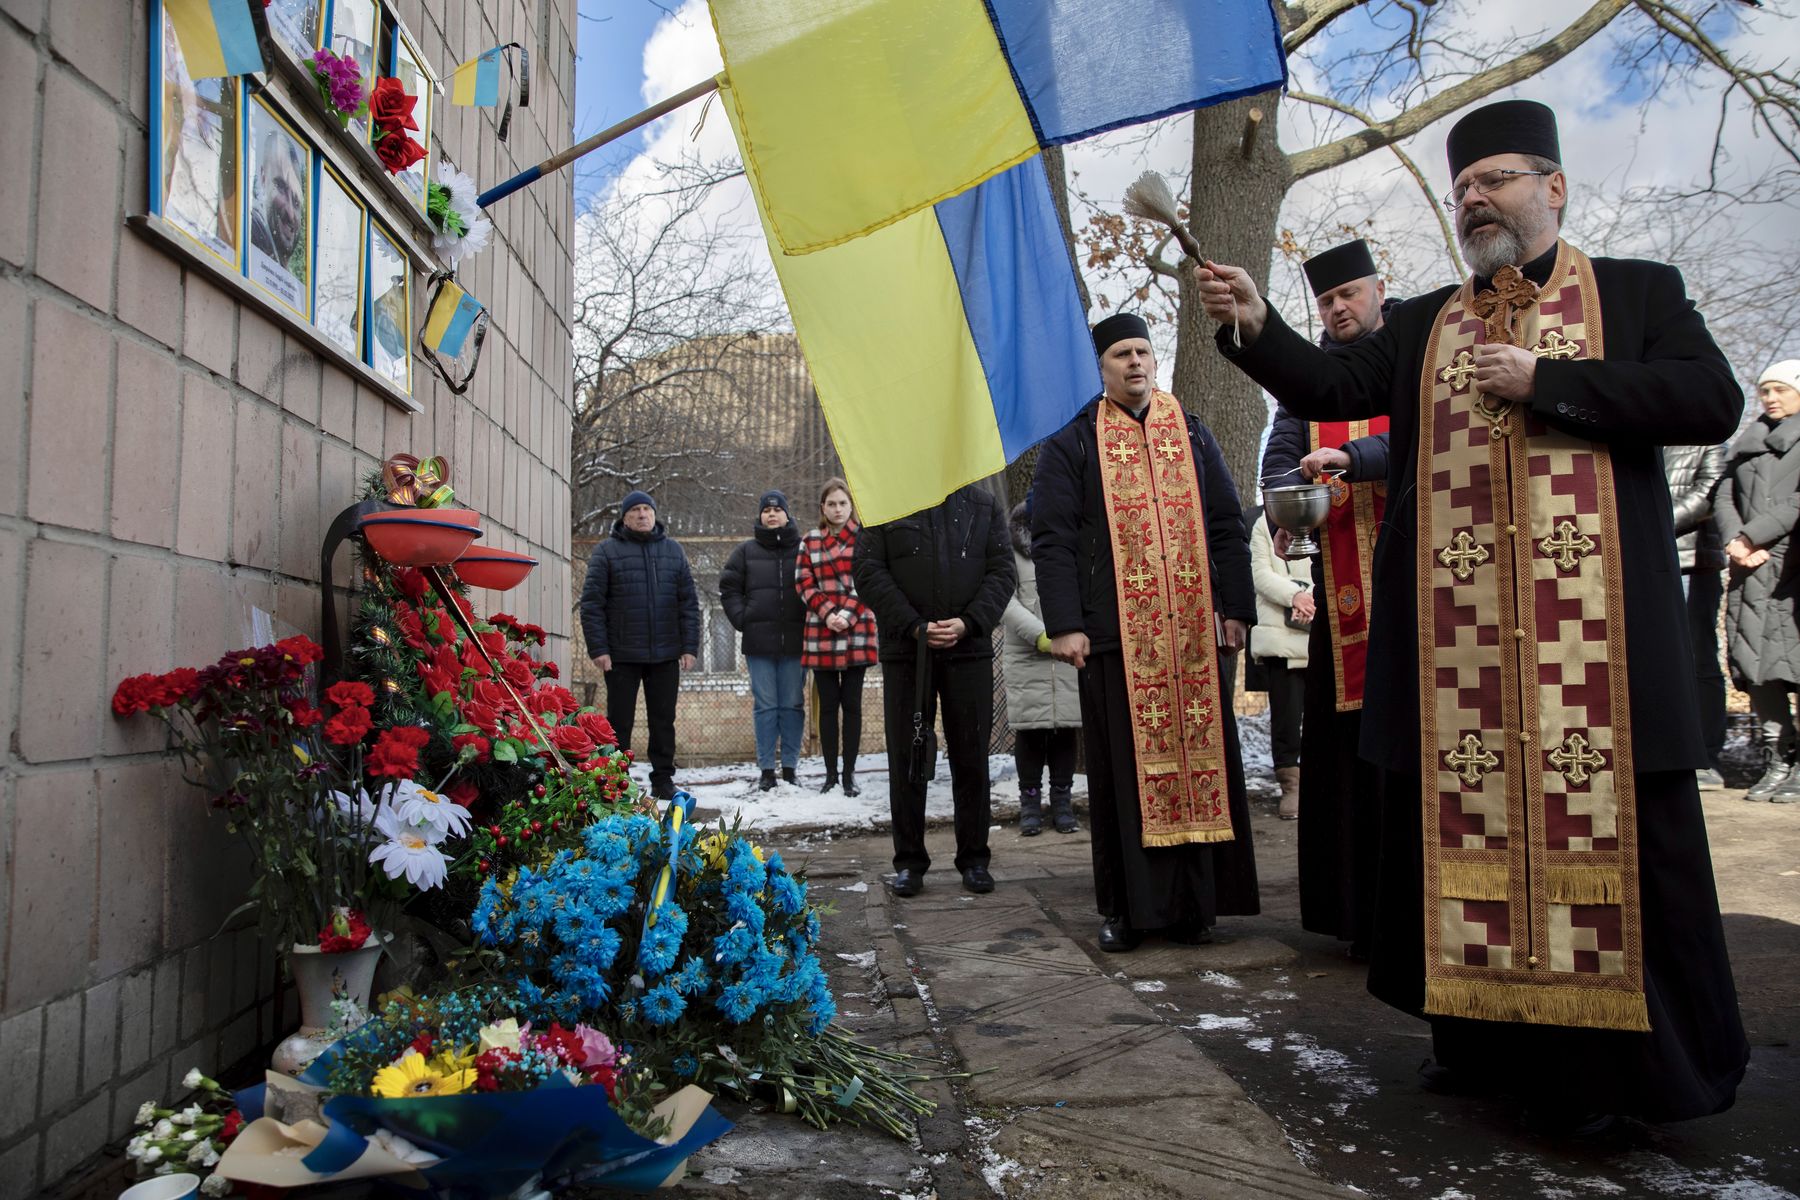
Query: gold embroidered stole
(1160, 571)
(1347, 550)
(1531, 889)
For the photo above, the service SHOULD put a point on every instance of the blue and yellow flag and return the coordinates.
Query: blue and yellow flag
(452, 316)
(217, 37)
(477, 82)
(946, 344)
(854, 113)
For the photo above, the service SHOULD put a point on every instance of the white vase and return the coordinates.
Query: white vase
(320, 978)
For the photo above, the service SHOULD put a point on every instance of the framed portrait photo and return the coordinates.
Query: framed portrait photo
(417, 82)
(354, 25)
(196, 144)
(338, 262)
(278, 250)
(297, 25)
(390, 309)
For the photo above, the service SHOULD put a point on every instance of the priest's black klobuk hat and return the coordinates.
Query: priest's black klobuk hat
(1339, 265)
(1508, 127)
(1117, 328)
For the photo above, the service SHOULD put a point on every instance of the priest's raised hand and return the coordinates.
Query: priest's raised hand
(1230, 297)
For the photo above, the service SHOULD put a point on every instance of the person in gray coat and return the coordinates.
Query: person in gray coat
(1694, 473)
(1043, 698)
(1758, 509)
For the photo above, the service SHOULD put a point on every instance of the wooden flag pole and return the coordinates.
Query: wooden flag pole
(558, 161)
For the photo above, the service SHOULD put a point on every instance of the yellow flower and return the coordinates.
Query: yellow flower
(412, 1077)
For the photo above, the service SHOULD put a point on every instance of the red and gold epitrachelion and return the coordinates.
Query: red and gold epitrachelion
(1347, 542)
(1170, 648)
(1530, 829)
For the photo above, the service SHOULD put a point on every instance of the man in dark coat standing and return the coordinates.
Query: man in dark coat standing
(1340, 794)
(1547, 898)
(641, 618)
(1144, 579)
(938, 582)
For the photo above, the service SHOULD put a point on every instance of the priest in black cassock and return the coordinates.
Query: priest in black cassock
(1546, 895)
(1340, 792)
(1144, 580)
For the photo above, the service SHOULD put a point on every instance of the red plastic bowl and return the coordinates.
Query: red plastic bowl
(457, 516)
(495, 570)
(418, 542)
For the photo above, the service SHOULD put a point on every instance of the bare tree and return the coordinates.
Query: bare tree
(1394, 73)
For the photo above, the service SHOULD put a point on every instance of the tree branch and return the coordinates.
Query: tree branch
(1383, 133)
(1307, 18)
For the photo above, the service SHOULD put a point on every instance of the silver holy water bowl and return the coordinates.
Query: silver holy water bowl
(1299, 510)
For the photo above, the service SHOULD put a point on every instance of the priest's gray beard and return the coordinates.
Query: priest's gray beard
(1504, 243)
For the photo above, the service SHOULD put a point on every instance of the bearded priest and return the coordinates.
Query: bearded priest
(1143, 574)
(1546, 896)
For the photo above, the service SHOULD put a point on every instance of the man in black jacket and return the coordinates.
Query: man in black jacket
(1144, 580)
(1553, 917)
(938, 582)
(1694, 473)
(641, 618)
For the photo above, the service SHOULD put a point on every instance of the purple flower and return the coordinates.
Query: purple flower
(340, 79)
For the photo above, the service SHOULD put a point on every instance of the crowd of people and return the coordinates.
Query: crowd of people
(1494, 691)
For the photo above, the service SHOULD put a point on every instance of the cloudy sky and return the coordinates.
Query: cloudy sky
(634, 52)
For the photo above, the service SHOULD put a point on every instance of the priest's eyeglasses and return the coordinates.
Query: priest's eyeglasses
(1486, 183)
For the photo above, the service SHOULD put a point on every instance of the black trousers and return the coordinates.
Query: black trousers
(965, 689)
(1034, 749)
(1287, 701)
(840, 691)
(661, 683)
(1705, 592)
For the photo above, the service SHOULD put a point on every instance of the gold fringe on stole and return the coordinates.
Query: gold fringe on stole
(1472, 881)
(1563, 1004)
(1583, 885)
(1186, 838)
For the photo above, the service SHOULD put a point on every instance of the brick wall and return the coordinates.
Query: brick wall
(169, 457)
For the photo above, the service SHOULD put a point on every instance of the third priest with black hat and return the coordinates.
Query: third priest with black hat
(1547, 898)
(1144, 578)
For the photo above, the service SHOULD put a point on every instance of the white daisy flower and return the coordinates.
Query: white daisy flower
(480, 230)
(408, 852)
(430, 813)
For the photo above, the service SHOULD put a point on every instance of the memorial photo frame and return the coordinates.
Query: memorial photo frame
(408, 67)
(355, 33)
(297, 26)
(196, 149)
(340, 245)
(278, 216)
(389, 324)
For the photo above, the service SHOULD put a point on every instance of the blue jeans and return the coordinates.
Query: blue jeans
(778, 692)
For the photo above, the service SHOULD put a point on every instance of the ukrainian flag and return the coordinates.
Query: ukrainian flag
(943, 345)
(854, 113)
(453, 313)
(217, 37)
(477, 82)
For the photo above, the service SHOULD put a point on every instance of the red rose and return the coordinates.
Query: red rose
(494, 695)
(482, 716)
(494, 642)
(472, 739)
(412, 630)
(300, 649)
(391, 108)
(412, 581)
(437, 680)
(608, 1078)
(350, 694)
(348, 727)
(472, 658)
(596, 726)
(304, 713)
(518, 673)
(347, 931)
(558, 700)
(573, 740)
(397, 152)
(396, 752)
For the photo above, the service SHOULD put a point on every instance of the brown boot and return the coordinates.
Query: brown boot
(1289, 778)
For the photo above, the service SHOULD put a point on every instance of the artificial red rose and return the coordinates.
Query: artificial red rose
(350, 694)
(548, 670)
(494, 695)
(412, 630)
(438, 680)
(462, 602)
(304, 714)
(559, 700)
(346, 931)
(608, 1078)
(422, 1044)
(494, 642)
(413, 583)
(390, 107)
(300, 649)
(573, 740)
(518, 673)
(596, 726)
(349, 727)
(396, 752)
(480, 743)
(482, 716)
(563, 1043)
(472, 658)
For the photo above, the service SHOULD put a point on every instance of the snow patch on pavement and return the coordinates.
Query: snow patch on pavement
(1219, 979)
(1210, 1022)
(1149, 985)
(865, 960)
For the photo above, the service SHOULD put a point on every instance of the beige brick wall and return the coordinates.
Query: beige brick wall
(169, 458)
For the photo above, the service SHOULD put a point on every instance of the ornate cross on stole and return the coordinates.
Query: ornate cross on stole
(1499, 307)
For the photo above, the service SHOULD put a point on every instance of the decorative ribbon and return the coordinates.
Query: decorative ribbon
(420, 482)
(524, 77)
(674, 817)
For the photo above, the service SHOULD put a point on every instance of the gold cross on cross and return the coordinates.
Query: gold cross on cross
(1463, 555)
(1471, 759)
(1552, 345)
(1198, 711)
(1156, 713)
(1140, 576)
(1122, 453)
(1567, 546)
(1168, 447)
(1576, 759)
(1460, 371)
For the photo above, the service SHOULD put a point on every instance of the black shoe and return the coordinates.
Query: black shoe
(662, 791)
(1031, 812)
(831, 781)
(1190, 934)
(1117, 936)
(767, 782)
(1062, 810)
(787, 775)
(908, 882)
(850, 788)
(977, 880)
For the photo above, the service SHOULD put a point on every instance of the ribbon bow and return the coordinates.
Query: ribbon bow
(421, 482)
(1510, 293)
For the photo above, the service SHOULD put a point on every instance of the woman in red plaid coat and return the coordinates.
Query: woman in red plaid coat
(840, 629)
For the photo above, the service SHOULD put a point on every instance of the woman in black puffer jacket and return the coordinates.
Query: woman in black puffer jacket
(756, 589)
